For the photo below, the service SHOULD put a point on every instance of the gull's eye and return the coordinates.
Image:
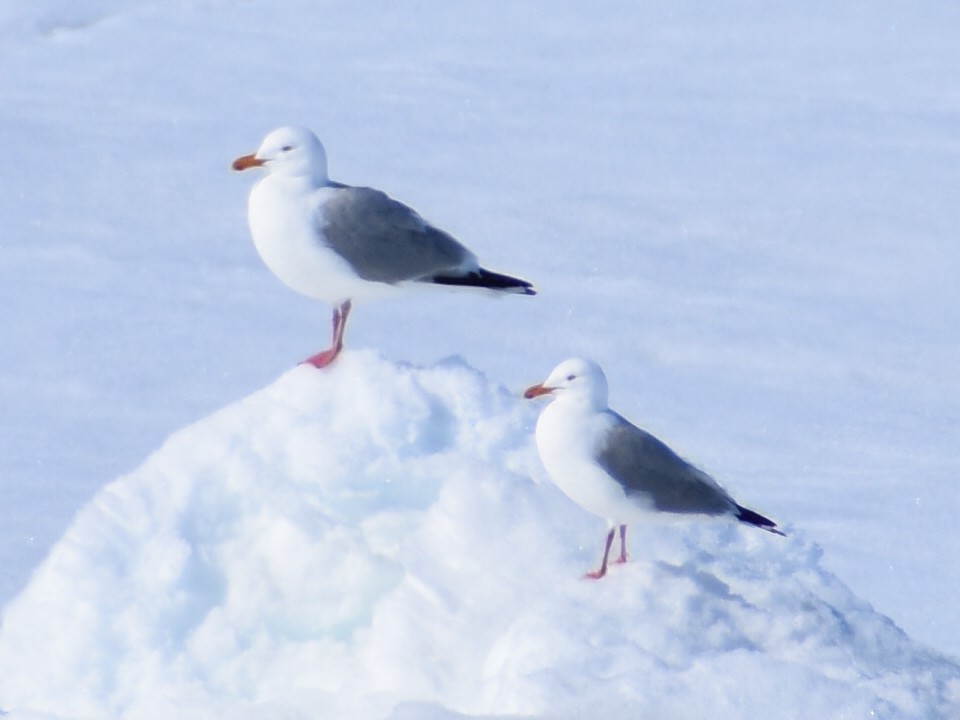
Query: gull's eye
(571, 378)
(287, 148)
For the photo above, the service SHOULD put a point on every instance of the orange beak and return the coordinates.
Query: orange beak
(246, 162)
(536, 391)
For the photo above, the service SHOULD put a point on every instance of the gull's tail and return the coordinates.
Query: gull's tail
(488, 280)
(756, 519)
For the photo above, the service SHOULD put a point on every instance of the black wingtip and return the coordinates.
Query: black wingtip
(757, 520)
(489, 280)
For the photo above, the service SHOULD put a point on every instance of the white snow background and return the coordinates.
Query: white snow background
(745, 212)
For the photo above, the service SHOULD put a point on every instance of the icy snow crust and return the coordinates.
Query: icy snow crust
(378, 540)
(747, 214)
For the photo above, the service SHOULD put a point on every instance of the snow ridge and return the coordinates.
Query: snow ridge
(377, 540)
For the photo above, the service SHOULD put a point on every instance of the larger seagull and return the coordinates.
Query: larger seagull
(612, 468)
(342, 244)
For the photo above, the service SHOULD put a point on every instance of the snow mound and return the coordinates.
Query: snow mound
(376, 541)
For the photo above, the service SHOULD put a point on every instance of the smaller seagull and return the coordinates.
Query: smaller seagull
(614, 469)
(342, 244)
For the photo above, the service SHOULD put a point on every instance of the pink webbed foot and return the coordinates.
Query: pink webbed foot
(322, 359)
(597, 574)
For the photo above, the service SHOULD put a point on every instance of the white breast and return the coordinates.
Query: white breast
(568, 439)
(285, 222)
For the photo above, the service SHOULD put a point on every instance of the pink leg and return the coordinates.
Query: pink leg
(322, 359)
(623, 544)
(597, 574)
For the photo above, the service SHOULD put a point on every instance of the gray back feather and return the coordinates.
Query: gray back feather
(385, 241)
(653, 473)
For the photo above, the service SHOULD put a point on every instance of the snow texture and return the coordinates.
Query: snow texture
(344, 543)
(745, 212)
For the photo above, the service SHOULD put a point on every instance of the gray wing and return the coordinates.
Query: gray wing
(655, 474)
(386, 241)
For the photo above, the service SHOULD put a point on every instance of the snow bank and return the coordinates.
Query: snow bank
(377, 541)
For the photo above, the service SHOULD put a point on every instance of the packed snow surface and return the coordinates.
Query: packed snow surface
(346, 542)
(747, 213)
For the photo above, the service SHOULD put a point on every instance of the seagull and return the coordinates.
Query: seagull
(339, 243)
(612, 468)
